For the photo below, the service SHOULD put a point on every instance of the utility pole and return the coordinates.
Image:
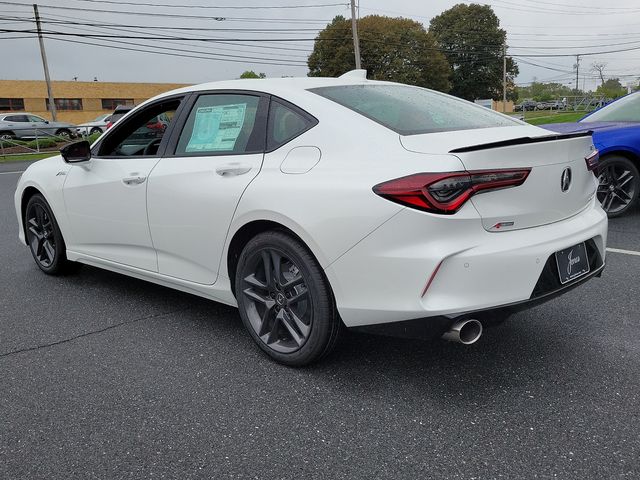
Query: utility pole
(577, 70)
(52, 106)
(504, 78)
(354, 28)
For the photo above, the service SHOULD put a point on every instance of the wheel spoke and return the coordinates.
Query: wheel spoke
(35, 232)
(39, 216)
(49, 250)
(296, 327)
(297, 296)
(626, 180)
(273, 334)
(607, 205)
(35, 241)
(255, 296)
(266, 261)
(39, 246)
(297, 280)
(254, 282)
(276, 260)
(264, 320)
(623, 196)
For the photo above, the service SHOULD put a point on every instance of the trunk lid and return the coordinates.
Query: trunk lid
(542, 199)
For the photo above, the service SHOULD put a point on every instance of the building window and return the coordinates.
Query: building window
(66, 103)
(8, 104)
(112, 103)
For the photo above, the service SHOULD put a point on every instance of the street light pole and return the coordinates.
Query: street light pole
(354, 29)
(43, 54)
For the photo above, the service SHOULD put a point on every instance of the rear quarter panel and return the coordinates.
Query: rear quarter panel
(332, 207)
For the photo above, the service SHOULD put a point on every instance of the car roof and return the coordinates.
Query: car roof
(276, 86)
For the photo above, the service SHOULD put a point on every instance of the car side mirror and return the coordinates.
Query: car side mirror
(76, 152)
(46, 121)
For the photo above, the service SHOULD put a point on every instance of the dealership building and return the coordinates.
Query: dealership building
(76, 102)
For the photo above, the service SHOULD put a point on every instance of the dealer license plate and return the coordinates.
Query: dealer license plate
(572, 263)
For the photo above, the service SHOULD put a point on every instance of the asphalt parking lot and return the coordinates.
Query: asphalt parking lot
(103, 376)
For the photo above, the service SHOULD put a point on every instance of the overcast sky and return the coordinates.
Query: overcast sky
(549, 27)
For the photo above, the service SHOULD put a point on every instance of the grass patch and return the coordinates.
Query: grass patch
(26, 157)
(545, 116)
(569, 117)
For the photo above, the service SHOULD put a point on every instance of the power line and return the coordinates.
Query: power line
(225, 7)
(120, 12)
(217, 47)
(172, 54)
(254, 45)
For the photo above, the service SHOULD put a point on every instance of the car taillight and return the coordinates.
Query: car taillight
(593, 160)
(109, 125)
(445, 193)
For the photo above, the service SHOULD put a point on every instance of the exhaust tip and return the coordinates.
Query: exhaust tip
(464, 331)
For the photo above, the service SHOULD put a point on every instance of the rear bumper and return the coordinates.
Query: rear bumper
(382, 279)
(427, 328)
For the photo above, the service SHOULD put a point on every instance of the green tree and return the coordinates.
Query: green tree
(392, 49)
(542, 92)
(611, 88)
(252, 74)
(472, 40)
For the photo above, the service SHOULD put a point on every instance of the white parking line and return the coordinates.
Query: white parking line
(7, 173)
(626, 252)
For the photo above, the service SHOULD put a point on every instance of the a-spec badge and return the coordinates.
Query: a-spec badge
(501, 225)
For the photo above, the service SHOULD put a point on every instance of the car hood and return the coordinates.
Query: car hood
(586, 126)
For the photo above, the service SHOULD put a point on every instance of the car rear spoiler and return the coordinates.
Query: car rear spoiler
(521, 141)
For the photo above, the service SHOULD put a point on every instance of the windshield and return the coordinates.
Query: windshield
(412, 110)
(626, 109)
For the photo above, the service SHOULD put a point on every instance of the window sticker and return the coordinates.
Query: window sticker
(216, 129)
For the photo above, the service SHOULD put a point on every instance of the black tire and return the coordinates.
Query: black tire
(45, 239)
(95, 130)
(293, 319)
(64, 133)
(619, 185)
(7, 136)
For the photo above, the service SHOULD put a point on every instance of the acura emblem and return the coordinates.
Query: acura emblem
(565, 180)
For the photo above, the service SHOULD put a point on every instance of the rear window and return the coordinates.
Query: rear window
(626, 109)
(413, 110)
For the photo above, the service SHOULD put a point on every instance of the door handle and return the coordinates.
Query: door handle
(232, 169)
(133, 180)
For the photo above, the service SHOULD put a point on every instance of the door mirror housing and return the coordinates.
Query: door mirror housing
(76, 152)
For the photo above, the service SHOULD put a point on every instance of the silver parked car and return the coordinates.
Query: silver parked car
(27, 125)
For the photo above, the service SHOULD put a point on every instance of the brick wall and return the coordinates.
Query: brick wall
(34, 93)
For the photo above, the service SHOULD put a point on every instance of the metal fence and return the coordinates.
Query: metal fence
(42, 142)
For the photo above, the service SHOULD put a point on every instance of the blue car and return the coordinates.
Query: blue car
(616, 134)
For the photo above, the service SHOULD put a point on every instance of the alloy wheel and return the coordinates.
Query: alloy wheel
(616, 189)
(278, 303)
(41, 235)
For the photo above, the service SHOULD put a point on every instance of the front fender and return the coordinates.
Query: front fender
(47, 177)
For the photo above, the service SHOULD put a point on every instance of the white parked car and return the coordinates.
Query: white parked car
(313, 203)
(97, 125)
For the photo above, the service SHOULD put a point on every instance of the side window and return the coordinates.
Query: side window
(222, 124)
(17, 118)
(142, 133)
(33, 118)
(286, 123)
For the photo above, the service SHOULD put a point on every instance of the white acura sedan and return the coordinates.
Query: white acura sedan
(313, 203)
